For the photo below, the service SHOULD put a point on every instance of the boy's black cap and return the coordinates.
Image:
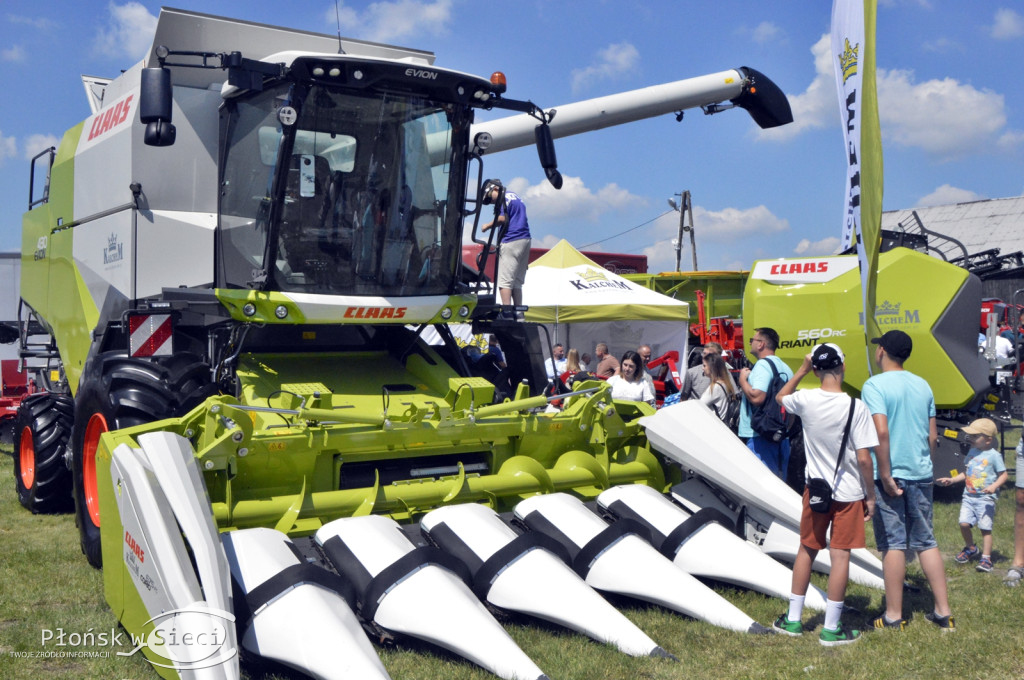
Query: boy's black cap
(896, 344)
(826, 356)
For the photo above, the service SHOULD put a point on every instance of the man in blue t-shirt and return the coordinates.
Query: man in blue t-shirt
(754, 383)
(514, 235)
(903, 408)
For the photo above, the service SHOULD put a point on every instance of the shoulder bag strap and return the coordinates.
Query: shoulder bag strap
(842, 446)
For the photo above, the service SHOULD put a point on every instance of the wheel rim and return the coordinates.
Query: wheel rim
(27, 458)
(97, 426)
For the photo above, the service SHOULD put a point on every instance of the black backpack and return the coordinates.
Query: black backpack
(732, 413)
(770, 419)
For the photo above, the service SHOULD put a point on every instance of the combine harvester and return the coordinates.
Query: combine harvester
(234, 259)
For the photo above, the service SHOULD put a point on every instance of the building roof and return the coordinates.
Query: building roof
(978, 225)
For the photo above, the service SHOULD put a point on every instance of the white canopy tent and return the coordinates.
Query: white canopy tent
(586, 304)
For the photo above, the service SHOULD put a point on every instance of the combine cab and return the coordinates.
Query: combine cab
(233, 263)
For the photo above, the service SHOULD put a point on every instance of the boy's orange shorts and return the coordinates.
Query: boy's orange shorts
(846, 519)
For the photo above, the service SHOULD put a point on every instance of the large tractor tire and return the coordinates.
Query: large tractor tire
(42, 429)
(117, 391)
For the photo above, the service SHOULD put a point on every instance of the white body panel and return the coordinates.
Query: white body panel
(632, 567)
(161, 496)
(712, 551)
(690, 434)
(539, 583)
(431, 603)
(307, 627)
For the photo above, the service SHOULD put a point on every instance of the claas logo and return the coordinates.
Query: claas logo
(375, 312)
(800, 268)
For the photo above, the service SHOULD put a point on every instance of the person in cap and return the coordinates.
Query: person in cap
(984, 473)
(513, 240)
(903, 408)
(826, 413)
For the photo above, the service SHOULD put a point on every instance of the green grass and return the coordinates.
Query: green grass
(45, 583)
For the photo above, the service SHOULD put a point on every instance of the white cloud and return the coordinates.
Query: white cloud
(41, 23)
(942, 45)
(731, 225)
(767, 32)
(945, 118)
(129, 32)
(615, 60)
(1011, 139)
(948, 195)
(826, 246)
(573, 201)
(15, 53)
(37, 143)
(818, 105)
(548, 241)
(389, 21)
(8, 147)
(1007, 25)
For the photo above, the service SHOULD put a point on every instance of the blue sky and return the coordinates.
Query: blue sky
(952, 114)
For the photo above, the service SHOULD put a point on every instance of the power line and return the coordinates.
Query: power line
(623, 233)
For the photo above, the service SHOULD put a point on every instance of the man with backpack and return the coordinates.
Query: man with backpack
(762, 425)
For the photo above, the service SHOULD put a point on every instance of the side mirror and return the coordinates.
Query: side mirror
(546, 153)
(155, 105)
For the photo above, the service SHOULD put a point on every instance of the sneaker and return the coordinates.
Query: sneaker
(787, 627)
(1013, 576)
(967, 554)
(840, 636)
(984, 564)
(881, 623)
(946, 623)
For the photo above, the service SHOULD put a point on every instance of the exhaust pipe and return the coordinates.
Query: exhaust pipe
(522, 573)
(616, 559)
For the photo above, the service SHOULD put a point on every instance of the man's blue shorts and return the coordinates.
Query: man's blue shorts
(773, 454)
(904, 522)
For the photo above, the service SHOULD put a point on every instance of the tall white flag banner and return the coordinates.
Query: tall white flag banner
(853, 57)
(847, 44)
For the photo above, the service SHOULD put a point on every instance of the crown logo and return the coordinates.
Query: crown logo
(848, 60)
(888, 309)
(112, 241)
(593, 275)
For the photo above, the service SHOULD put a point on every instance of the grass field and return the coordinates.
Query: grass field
(46, 585)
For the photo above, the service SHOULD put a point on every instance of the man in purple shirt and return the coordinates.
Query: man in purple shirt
(514, 246)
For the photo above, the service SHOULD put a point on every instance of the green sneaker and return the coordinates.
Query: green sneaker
(840, 636)
(787, 627)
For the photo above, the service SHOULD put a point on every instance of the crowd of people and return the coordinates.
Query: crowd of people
(870, 458)
(881, 471)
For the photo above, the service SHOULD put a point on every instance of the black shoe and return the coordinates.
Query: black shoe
(881, 623)
(946, 623)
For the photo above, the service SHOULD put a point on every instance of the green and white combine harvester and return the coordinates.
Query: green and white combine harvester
(247, 419)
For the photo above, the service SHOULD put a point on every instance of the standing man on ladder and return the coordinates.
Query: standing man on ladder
(513, 237)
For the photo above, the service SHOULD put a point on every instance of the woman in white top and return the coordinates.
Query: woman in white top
(720, 391)
(629, 383)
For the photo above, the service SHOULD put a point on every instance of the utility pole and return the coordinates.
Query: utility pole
(684, 208)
